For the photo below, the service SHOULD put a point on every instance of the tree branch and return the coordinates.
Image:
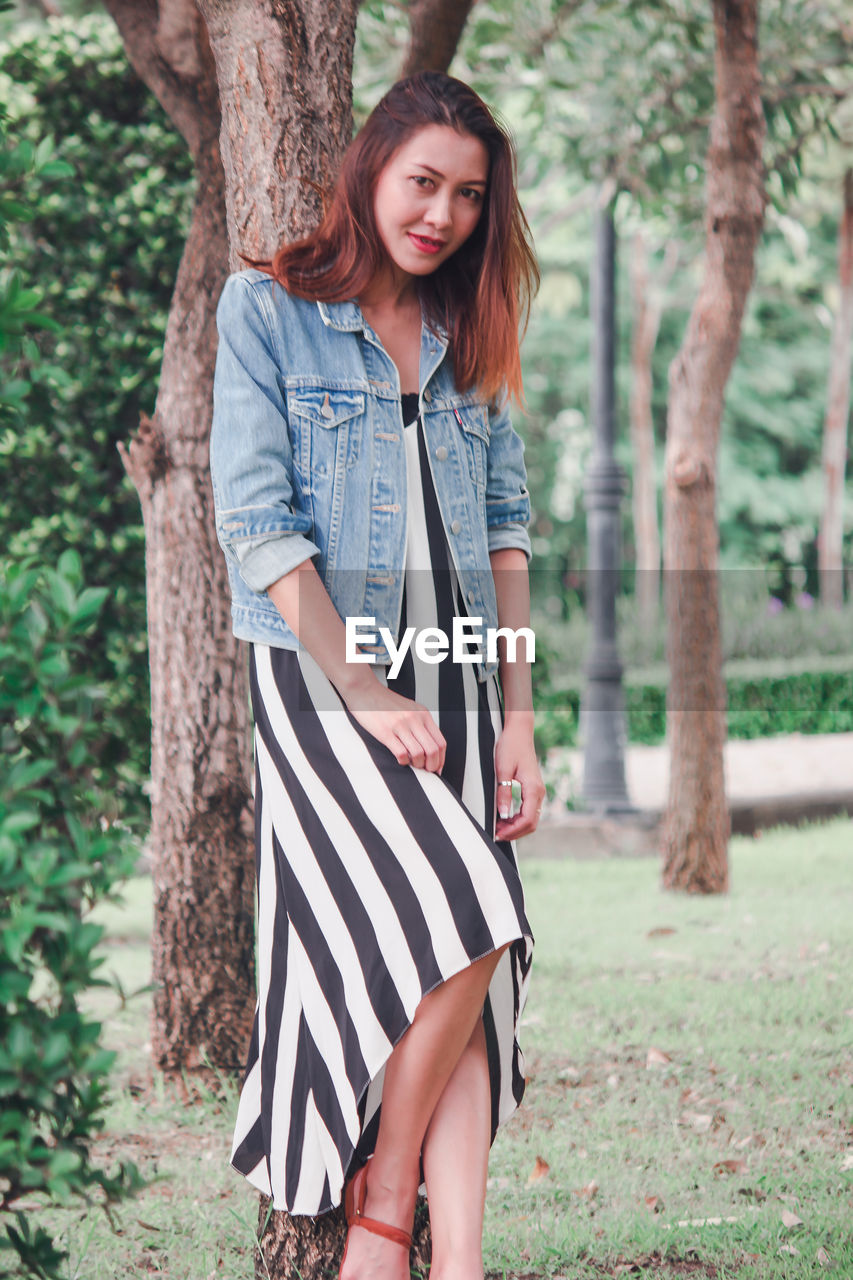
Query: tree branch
(436, 27)
(168, 48)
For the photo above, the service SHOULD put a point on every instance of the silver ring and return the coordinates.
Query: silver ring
(505, 782)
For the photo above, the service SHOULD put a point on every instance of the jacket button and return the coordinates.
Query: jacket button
(470, 597)
(441, 453)
(427, 395)
(456, 526)
(326, 410)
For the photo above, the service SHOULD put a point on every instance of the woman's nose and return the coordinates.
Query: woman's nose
(438, 214)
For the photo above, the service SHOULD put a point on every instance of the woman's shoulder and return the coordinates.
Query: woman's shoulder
(253, 289)
(253, 280)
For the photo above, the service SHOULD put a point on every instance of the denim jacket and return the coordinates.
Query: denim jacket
(308, 459)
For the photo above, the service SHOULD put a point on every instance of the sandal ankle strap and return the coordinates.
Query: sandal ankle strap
(397, 1234)
(356, 1195)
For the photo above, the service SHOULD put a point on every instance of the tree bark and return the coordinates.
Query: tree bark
(284, 69)
(200, 840)
(830, 544)
(697, 825)
(436, 27)
(646, 323)
(313, 1247)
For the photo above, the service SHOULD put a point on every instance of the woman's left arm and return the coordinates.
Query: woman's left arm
(515, 755)
(507, 518)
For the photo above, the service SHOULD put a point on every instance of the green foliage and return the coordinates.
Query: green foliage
(59, 855)
(788, 670)
(22, 166)
(763, 700)
(101, 249)
(625, 92)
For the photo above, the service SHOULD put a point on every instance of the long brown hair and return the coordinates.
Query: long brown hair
(481, 295)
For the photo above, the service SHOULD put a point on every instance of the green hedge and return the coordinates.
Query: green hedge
(763, 699)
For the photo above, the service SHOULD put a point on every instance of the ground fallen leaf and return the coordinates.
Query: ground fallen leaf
(789, 1248)
(654, 1204)
(700, 1121)
(847, 1162)
(588, 1191)
(823, 1257)
(657, 1057)
(729, 1166)
(662, 931)
(790, 1219)
(540, 1170)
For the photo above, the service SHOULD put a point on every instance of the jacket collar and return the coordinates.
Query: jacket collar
(348, 317)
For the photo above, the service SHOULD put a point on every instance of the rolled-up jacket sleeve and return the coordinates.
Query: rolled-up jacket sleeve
(507, 499)
(251, 461)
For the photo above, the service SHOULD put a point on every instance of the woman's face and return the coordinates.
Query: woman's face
(429, 198)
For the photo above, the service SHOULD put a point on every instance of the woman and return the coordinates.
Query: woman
(360, 421)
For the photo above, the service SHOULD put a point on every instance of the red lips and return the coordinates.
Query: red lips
(426, 244)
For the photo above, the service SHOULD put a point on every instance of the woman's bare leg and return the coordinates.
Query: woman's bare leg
(456, 1161)
(415, 1077)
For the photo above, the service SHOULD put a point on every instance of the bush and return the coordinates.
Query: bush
(763, 699)
(787, 670)
(58, 857)
(102, 249)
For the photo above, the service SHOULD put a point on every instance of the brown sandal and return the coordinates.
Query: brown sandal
(355, 1196)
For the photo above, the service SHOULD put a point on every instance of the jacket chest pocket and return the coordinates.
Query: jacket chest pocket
(326, 427)
(475, 432)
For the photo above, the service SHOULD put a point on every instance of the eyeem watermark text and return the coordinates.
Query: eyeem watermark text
(431, 644)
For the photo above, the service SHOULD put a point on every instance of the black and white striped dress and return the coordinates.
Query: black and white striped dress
(376, 882)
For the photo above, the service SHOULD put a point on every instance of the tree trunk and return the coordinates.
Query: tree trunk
(200, 842)
(436, 27)
(312, 1248)
(830, 544)
(696, 826)
(646, 323)
(285, 79)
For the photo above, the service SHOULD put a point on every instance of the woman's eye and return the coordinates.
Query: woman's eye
(472, 193)
(421, 179)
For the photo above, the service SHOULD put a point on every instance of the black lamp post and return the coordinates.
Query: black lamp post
(602, 713)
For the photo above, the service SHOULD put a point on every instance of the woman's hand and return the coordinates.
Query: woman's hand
(515, 758)
(404, 726)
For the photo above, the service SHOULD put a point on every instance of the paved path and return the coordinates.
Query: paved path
(768, 781)
(755, 768)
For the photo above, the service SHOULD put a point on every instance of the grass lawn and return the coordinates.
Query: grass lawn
(688, 1109)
